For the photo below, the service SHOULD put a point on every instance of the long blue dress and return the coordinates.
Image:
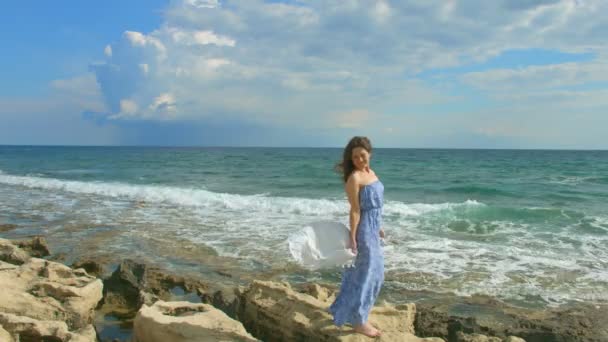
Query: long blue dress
(362, 282)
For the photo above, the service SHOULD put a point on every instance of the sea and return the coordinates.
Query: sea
(529, 227)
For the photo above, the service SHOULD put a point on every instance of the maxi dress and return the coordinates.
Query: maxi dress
(361, 283)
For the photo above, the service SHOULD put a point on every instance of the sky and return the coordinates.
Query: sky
(529, 74)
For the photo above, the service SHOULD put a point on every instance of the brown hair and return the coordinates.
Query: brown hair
(346, 167)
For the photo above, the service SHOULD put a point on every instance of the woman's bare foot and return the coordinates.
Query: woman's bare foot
(367, 330)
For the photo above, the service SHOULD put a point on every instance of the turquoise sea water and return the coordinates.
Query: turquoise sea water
(522, 225)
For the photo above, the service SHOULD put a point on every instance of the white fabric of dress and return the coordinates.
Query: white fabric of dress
(322, 244)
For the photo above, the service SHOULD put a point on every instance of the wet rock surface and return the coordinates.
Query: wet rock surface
(580, 323)
(92, 267)
(5, 227)
(133, 284)
(36, 247)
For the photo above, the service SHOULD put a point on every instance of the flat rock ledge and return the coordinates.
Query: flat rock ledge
(43, 300)
(275, 312)
(186, 322)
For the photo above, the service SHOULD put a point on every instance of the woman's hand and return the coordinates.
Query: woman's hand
(382, 235)
(353, 245)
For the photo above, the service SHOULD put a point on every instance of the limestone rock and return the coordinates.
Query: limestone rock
(223, 299)
(275, 312)
(579, 323)
(43, 300)
(46, 290)
(186, 322)
(514, 339)
(462, 337)
(11, 253)
(91, 266)
(35, 247)
(29, 329)
(133, 283)
(321, 293)
(5, 336)
(7, 266)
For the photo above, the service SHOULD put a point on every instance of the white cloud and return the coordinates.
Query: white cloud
(128, 107)
(138, 39)
(215, 63)
(108, 51)
(165, 105)
(382, 11)
(199, 37)
(539, 77)
(203, 3)
(304, 62)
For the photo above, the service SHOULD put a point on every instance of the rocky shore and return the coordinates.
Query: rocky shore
(43, 300)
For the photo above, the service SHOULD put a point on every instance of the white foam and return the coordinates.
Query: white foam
(233, 202)
(181, 196)
(419, 209)
(259, 227)
(569, 180)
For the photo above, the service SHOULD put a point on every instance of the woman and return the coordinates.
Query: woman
(361, 283)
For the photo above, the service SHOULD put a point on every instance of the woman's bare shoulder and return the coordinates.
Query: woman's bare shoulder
(354, 178)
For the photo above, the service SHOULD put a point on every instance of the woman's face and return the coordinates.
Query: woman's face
(360, 158)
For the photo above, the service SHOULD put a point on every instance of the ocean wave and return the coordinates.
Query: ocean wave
(179, 196)
(420, 209)
(480, 248)
(568, 180)
(77, 171)
(478, 190)
(598, 180)
(224, 201)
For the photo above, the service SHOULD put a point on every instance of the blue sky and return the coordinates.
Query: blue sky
(433, 73)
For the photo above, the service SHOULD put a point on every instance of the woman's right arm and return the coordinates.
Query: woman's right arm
(352, 191)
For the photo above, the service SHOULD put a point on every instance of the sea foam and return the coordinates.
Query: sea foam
(231, 202)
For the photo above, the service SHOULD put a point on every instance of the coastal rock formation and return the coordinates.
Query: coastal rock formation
(224, 299)
(23, 328)
(91, 266)
(12, 254)
(582, 323)
(41, 298)
(35, 247)
(134, 284)
(5, 227)
(5, 336)
(186, 322)
(275, 312)
(462, 337)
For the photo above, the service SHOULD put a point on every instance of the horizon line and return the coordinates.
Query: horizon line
(314, 147)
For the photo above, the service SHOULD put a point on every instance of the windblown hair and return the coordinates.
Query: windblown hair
(346, 167)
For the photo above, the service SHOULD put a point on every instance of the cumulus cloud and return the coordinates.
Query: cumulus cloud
(310, 63)
(539, 76)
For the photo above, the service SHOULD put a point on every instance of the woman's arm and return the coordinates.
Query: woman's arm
(352, 191)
